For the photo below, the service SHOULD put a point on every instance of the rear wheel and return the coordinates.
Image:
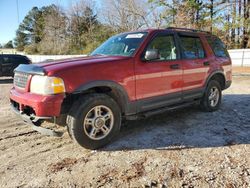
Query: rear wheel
(94, 120)
(212, 97)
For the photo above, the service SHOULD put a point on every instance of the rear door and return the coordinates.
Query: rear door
(196, 65)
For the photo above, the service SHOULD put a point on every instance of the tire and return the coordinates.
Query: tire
(94, 120)
(206, 101)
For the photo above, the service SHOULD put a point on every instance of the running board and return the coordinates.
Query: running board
(160, 110)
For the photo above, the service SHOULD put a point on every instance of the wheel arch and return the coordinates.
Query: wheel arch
(111, 88)
(218, 76)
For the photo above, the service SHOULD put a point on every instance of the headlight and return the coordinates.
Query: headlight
(46, 85)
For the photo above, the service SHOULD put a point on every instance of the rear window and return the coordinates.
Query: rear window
(192, 47)
(218, 47)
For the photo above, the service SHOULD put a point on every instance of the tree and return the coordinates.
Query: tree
(30, 30)
(178, 13)
(125, 15)
(239, 22)
(51, 30)
(55, 38)
(233, 29)
(246, 24)
(83, 22)
(8, 44)
(21, 40)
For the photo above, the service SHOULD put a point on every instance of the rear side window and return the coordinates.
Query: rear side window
(192, 47)
(218, 47)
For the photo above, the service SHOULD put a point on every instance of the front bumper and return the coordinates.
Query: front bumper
(34, 121)
(41, 106)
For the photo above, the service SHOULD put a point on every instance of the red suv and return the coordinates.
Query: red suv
(131, 75)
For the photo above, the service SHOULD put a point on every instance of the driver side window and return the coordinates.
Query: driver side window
(165, 46)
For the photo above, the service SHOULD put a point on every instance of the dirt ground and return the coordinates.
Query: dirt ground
(241, 70)
(183, 148)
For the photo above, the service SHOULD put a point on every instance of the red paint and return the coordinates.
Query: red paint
(42, 105)
(139, 79)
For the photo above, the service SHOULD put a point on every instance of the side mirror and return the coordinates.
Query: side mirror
(152, 54)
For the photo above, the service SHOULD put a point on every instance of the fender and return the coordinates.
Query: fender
(128, 106)
(212, 74)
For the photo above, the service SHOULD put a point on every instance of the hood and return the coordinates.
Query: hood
(63, 64)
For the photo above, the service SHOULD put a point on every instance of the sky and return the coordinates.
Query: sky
(9, 21)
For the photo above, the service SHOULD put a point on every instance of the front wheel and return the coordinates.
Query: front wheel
(212, 97)
(94, 120)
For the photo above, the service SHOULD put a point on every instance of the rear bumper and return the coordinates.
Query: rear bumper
(41, 106)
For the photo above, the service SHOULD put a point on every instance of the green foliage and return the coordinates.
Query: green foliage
(100, 34)
(8, 44)
(84, 25)
(21, 40)
(29, 30)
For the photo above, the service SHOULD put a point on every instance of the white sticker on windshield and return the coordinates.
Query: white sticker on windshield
(135, 36)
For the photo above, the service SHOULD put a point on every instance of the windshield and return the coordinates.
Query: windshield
(121, 45)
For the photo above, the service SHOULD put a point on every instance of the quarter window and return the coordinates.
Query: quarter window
(192, 47)
(218, 47)
(165, 46)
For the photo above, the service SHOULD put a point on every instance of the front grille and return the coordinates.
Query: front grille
(20, 79)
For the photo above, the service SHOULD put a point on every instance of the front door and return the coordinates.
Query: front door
(159, 80)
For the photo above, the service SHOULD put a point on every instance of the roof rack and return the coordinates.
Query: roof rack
(186, 29)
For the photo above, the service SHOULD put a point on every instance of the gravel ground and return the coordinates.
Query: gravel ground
(183, 148)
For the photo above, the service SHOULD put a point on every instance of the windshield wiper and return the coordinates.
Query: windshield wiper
(98, 55)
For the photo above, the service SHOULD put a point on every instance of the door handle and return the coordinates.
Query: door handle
(206, 63)
(175, 66)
